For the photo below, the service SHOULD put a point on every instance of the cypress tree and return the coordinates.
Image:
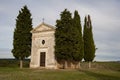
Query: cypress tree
(68, 38)
(89, 46)
(77, 38)
(63, 46)
(22, 36)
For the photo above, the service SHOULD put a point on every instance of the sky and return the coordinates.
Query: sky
(105, 15)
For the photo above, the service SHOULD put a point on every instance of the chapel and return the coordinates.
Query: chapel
(42, 50)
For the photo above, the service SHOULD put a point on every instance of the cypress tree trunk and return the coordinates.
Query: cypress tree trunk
(21, 64)
(72, 65)
(65, 65)
(89, 64)
(79, 66)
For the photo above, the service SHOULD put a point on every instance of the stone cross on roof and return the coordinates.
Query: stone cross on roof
(43, 20)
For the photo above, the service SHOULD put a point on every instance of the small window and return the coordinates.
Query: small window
(43, 42)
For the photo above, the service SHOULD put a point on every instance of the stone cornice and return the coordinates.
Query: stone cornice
(42, 31)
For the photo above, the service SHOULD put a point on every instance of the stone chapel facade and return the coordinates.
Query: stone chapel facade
(42, 51)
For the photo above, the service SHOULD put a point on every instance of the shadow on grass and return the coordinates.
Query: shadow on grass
(100, 76)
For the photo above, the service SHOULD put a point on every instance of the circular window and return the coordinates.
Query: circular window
(43, 42)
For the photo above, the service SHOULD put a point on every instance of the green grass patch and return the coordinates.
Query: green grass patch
(9, 70)
(42, 74)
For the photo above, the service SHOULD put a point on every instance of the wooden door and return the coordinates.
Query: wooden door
(42, 59)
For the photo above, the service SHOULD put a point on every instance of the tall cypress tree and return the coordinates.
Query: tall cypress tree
(78, 40)
(22, 36)
(68, 38)
(89, 46)
(63, 46)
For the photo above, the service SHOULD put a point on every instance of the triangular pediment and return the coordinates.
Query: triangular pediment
(43, 27)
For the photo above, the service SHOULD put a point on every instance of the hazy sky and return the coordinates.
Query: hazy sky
(105, 16)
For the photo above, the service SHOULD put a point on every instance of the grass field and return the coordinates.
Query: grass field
(99, 71)
(37, 74)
